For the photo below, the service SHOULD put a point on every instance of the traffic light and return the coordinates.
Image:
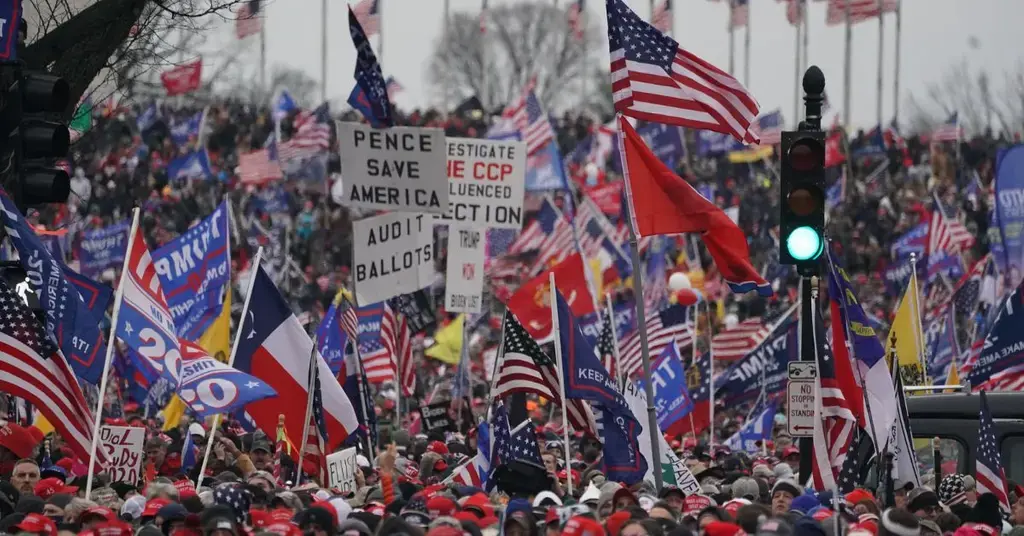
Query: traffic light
(33, 135)
(802, 223)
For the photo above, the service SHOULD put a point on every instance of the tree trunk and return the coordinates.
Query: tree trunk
(81, 47)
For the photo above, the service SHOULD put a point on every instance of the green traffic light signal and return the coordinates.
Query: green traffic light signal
(804, 243)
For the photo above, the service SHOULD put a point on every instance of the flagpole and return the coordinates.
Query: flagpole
(918, 329)
(263, 57)
(552, 290)
(380, 33)
(732, 47)
(310, 393)
(323, 50)
(881, 60)
(847, 68)
(615, 341)
(445, 29)
(111, 343)
(806, 37)
(231, 363)
(798, 27)
(711, 374)
(896, 70)
(746, 51)
(360, 374)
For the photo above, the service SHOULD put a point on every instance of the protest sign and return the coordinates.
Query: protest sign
(122, 446)
(436, 417)
(399, 168)
(394, 254)
(464, 282)
(341, 470)
(103, 248)
(485, 182)
(417, 310)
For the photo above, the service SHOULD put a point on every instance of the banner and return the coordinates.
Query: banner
(417, 310)
(1009, 194)
(123, 447)
(394, 254)
(913, 241)
(400, 168)
(625, 322)
(485, 182)
(464, 283)
(341, 470)
(545, 170)
(191, 165)
(436, 417)
(103, 248)
(607, 197)
(195, 268)
(10, 16)
(764, 368)
(183, 78)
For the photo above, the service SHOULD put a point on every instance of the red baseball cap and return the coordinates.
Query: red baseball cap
(100, 511)
(48, 487)
(439, 505)
(583, 526)
(789, 451)
(17, 439)
(693, 504)
(37, 524)
(185, 488)
(154, 506)
(109, 528)
(438, 447)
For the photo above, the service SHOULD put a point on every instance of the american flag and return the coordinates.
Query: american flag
(988, 471)
(654, 79)
(349, 319)
(531, 238)
(796, 12)
(314, 459)
(483, 17)
(670, 324)
(606, 342)
(530, 120)
(860, 10)
(247, 19)
(834, 427)
(559, 242)
(519, 445)
(850, 474)
(312, 135)
(469, 473)
(734, 343)
(523, 367)
(1011, 379)
(368, 14)
(394, 331)
(946, 234)
(950, 130)
(576, 12)
(375, 356)
(768, 127)
(256, 167)
(739, 13)
(393, 87)
(32, 368)
(662, 18)
(592, 228)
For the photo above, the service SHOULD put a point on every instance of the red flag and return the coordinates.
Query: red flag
(834, 149)
(663, 203)
(532, 304)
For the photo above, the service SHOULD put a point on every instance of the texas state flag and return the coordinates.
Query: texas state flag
(275, 348)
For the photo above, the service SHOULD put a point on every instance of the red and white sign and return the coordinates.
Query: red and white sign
(607, 197)
(486, 181)
(183, 79)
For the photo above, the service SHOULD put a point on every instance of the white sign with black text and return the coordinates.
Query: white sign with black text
(485, 182)
(800, 398)
(394, 254)
(464, 284)
(341, 470)
(122, 446)
(399, 168)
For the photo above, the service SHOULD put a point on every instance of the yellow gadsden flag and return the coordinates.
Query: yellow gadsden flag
(909, 337)
(216, 340)
(448, 342)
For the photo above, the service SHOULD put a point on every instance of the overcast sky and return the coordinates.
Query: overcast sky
(936, 34)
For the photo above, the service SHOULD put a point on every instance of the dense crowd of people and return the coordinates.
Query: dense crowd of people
(404, 487)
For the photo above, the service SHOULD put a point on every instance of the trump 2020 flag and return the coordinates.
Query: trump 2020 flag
(755, 432)
(662, 203)
(587, 379)
(368, 75)
(145, 325)
(68, 319)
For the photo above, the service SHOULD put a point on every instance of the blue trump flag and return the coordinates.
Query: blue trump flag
(764, 369)
(95, 295)
(283, 105)
(182, 131)
(545, 170)
(68, 320)
(368, 74)
(10, 15)
(194, 164)
(755, 432)
(103, 248)
(195, 269)
(331, 340)
(587, 379)
(668, 376)
(1009, 210)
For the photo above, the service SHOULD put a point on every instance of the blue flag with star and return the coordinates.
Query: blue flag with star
(369, 77)
(68, 319)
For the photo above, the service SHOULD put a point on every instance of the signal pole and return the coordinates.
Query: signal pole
(802, 219)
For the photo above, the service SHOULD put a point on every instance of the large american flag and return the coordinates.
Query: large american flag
(946, 234)
(654, 79)
(835, 425)
(368, 14)
(860, 10)
(662, 18)
(312, 135)
(739, 13)
(394, 331)
(672, 323)
(523, 367)
(247, 19)
(950, 130)
(530, 120)
(32, 368)
(988, 471)
(576, 11)
(736, 342)
(256, 167)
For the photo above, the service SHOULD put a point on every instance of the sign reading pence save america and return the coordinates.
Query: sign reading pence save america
(399, 168)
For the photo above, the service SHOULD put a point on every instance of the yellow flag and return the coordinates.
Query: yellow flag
(751, 155)
(598, 275)
(953, 377)
(216, 340)
(43, 424)
(448, 342)
(909, 337)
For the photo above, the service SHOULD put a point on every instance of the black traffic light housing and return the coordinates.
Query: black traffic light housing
(33, 134)
(802, 221)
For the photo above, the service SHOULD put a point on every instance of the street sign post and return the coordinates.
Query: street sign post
(800, 395)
